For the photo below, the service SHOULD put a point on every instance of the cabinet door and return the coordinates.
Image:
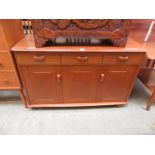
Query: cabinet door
(117, 84)
(80, 83)
(43, 84)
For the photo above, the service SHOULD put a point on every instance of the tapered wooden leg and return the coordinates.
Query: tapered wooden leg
(22, 97)
(151, 100)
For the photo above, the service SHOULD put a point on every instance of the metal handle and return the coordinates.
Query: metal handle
(123, 58)
(39, 58)
(58, 78)
(82, 58)
(102, 76)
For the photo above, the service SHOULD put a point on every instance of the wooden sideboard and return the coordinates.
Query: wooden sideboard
(10, 32)
(68, 76)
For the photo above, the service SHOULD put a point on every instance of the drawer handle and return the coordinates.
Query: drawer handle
(58, 78)
(102, 77)
(123, 58)
(6, 81)
(85, 58)
(39, 58)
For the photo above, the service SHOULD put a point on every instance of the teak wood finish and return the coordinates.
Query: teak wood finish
(147, 72)
(70, 76)
(10, 33)
(80, 31)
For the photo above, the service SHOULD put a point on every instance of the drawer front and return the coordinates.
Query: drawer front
(81, 58)
(38, 58)
(123, 58)
(8, 79)
(5, 62)
(4, 51)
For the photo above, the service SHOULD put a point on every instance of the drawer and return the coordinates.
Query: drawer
(38, 58)
(123, 58)
(4, 51)
(8, 80)
(81, 58)
(5, 62)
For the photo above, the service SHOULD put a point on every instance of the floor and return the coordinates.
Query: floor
(130, 119)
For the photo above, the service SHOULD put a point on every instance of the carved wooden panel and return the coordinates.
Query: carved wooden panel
(80, 31)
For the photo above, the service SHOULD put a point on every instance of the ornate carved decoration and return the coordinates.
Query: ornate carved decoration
(116, 30)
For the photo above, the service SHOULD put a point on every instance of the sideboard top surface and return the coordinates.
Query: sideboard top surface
(135, 44)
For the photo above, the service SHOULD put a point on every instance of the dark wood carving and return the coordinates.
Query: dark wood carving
(81, 31)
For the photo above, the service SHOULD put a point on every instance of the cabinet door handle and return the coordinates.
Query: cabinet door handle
(123, 58)
(82, 58)
(1, 64)
(58, 78)
(39, 58)
(102, 76)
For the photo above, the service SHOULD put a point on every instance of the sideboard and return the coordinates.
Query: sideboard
(10, 33)
(71, 76)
